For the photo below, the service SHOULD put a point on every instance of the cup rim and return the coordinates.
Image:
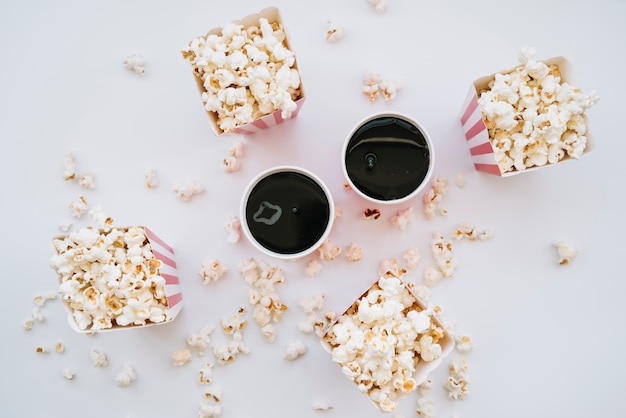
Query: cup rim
(431, 163)
(279, 169)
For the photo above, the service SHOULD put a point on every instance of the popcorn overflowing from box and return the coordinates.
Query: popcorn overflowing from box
(387, 342)
(247, 74)
(526, 118)
(116, 278)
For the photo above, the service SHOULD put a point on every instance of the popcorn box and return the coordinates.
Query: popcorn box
(159, 259)
(475, 128)
(422, 369)
(273, 16)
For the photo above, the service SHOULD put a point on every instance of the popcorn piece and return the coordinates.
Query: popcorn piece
(231, 164)
(65, 226)
(425, 387)
(134, 63)
(313, 268)
(78, 207)
(150, 178)
(181, 357)
(314, 323)
(209, 410)
(236, 150)
(69, 167)
(59, 348)
(441, 250)
(99, 359)
(370, 214)
(186, 191)
(354, 253)
(458, 381)
(460, 181)
(381, 338)
(390, 267)
(201, 340)
(37, 316)
(380, 5)
(533, 117)
(28, 324)
(322, 406)
(433, 196)
(471, 232)
(463, 343)
(371, 84)
(206, 373)
(237, 322)
(212, 270)
(233, 227)
(126, 376)
(87, 181)
(226, 353)
(566, 253)
(327, 251)
(425, 408)
(101, 218)
(295, 349)
(389, 89)
(334, 32)
(432, 276)
(412, 257)
(68, 374)
(42, 350)
(403, 218)
(247, 73)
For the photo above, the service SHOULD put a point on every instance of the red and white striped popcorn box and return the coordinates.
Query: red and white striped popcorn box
(273, 16)
(167, 270)
(423, 369)
(476, 132)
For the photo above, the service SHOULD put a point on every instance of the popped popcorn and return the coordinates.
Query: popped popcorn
(432, 276)
(99, 359)
(200, 340)
(390, 267)
(381, 340)
(328, 251)
(78, 207)
(334, 32)
(294, 350)
(471, 232)
(425, 387)
(206, 373)
(354, 252)
(101, 219)
(533, 117)
(458, 381)
(460, 181)
(69, 167)
(237, 322)
(231, 164)
(313, 268)
(212, 270)
(565, 252)
(42, 350)
(262, 295)
(181, 357)
(186, 191)
(322, 406)
(126, 376)
(87, 181)
(110, 278)
(374, 85)
(65, 226)
(226, 353)
(68, 374)
(425, 408)
(247, 73)
(150, 178)
(380, 5)
(403, 218)
(441, 250)
(314, 323)
(370, 214)
(463, 343)
(433, 196)
(233, 227)
(412, 257)
(209, 410)
(59, 348)
(134, 63)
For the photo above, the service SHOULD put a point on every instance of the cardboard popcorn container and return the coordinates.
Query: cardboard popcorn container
(476, 132)
(267, 120)
(422, 369)
(95, 278)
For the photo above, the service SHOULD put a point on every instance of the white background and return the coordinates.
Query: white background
(548, 339)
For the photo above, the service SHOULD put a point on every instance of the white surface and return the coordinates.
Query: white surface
(548, 338)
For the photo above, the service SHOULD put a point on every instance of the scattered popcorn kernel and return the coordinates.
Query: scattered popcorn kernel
(236, 150)
(68, 374)
(441, 250)
(126, 376)
(403, 218)
(59, 348)
(390, 267)
(334, 32)
(212, 270)
(227, 352)
(471, 232)
(28, 324)
(37, 316)
(432, 197)
(327, 251)
(565, 252)
(78, 207)
(233, 227)
(354, 253)
(371, 84)
(101, 219)
(134, 63)
(380, 5)
(463, 344)
(425, 387)
(150, 178)
(389, 89)
(65, 226)
(425, 408)
(69, 167)
(206, 373)
(322, 406)
(99, 359)
(231, 164)
(181, 357)
(200, 340)
(39, 300)
(237, 322)
(215, 395)
(458, 381)
(338, 212)
(313, 268)
(87, 181)
(412, 257)
(209, 410)
(42, 350)
(186, 191)
(370, 214)
(460, 180)
(294, 350)
(432, 276)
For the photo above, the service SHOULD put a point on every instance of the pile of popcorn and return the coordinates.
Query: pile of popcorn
(381, 340)
(247, 73)
(533, 117)
(110, 278)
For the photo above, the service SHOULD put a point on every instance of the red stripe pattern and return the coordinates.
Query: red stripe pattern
(266, 121)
